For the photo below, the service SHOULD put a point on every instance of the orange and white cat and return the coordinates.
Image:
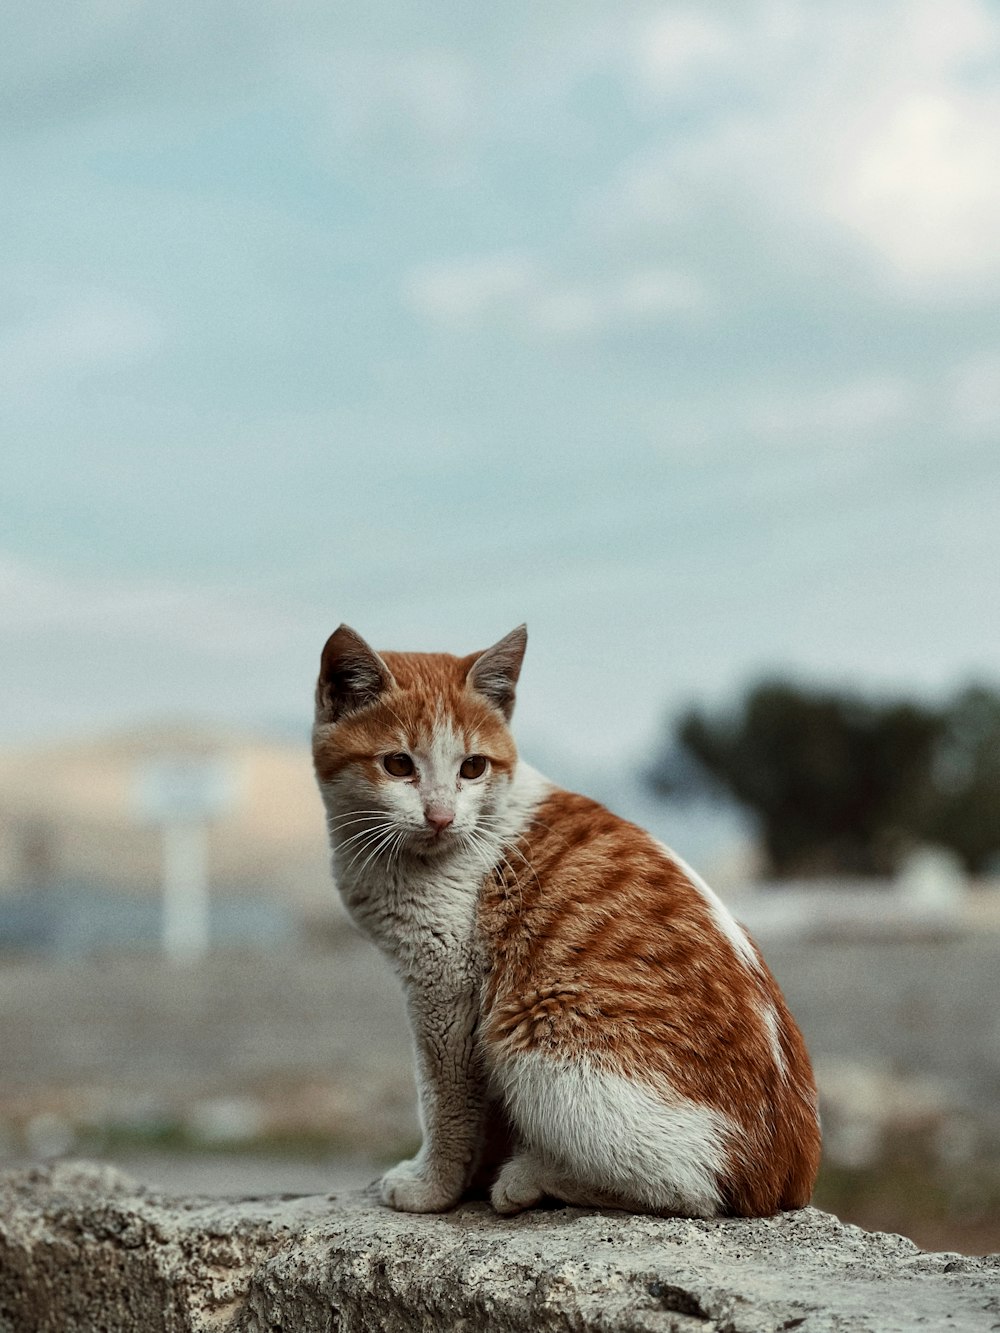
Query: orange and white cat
(557, 961)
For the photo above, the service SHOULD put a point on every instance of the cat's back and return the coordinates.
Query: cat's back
(602, 945)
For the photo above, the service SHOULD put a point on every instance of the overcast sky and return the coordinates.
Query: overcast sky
(671, 329)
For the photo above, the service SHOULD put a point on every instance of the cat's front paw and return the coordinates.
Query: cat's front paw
(411, 1188)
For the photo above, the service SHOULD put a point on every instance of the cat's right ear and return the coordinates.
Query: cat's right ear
(351, 676)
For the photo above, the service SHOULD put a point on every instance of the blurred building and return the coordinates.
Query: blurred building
(81, 861)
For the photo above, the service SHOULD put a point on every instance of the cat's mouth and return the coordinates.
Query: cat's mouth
(431, 842)
(432, 837)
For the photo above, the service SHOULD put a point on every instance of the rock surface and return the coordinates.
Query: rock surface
(85, 1250)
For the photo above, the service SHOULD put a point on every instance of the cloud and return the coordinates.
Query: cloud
(671, 50)
(426, 95)
(73, 334)
(975, 389)
(652, 293)
(312, 270)
(848, 413)
(469, 291)
(518, 291)
(90, 57)
(35, 601)
(881, 125)
(83, 651)
(925, 190)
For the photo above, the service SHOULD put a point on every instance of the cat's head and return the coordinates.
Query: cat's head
(414, 745)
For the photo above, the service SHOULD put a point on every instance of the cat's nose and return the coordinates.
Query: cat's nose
(438, 818)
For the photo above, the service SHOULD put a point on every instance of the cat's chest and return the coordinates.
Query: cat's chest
(424, 918)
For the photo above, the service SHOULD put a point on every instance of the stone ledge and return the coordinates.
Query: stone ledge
(83, 1249)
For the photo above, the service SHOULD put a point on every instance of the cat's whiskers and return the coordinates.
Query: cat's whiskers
(352, 816)
(371, 840)
(511, 847)
(493, 828)
(374, 823)
(363, 833)
(396, 850)
(482, 847)
(368, 823)
(500, 861)
(515, 881)
(554, 831)
(470, 841)
(388, 837)
(486, 848)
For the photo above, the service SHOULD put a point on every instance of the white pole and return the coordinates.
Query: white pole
(185, 890)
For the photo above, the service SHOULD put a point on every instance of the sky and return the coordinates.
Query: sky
(670, 329)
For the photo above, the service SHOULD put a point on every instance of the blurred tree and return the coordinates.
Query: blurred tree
(966, 815)
(840, 783)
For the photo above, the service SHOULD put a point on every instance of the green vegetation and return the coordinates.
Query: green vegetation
(953, 1208)
(841, 783)
(178, 1138)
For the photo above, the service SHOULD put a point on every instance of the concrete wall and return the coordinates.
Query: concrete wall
(84, 1249)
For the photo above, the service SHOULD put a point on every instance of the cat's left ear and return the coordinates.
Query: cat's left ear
(494, 673)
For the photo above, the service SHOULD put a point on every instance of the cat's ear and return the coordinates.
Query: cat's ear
(351, 676)
(494, 673)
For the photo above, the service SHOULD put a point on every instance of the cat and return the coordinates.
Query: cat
(559, 964)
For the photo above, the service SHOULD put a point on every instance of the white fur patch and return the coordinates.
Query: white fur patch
(772, 1027)
(738, 938)
(614, 1136)
(525, 794)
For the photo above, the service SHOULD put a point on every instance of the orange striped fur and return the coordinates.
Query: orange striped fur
(556, 958)
(597, 942)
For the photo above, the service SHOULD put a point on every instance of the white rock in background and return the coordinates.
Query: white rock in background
(933, 879)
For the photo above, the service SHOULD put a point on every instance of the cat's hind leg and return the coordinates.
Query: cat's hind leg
(595, 1137)
(519, 1184)
(525, 1180)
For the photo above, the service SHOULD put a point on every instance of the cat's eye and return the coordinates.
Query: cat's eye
(474, 766)
(398, 765)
